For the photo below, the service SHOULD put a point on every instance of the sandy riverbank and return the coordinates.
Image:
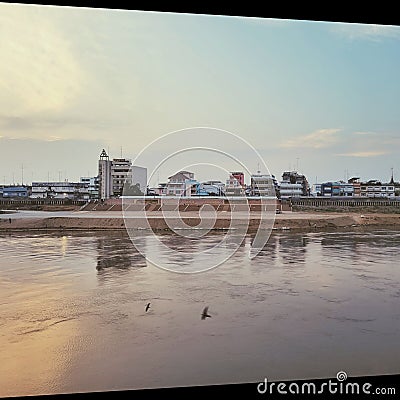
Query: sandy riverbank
(114, 221)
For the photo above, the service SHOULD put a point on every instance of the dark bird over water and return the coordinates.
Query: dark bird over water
(147, 307)
(205, 314)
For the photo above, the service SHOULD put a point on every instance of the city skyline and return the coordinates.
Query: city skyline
(317, 97)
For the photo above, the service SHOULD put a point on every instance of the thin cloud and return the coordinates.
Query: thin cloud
(315, 140)
(363, 154)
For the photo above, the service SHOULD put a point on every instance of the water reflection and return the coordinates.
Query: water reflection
(292, 249)
(175, 252)
(268, 255)
(117, 251)
(72, 309)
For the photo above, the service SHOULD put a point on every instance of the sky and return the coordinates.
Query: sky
(319, 97)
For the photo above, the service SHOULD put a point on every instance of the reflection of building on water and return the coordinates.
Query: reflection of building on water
(117, 251)
(292, 248)
(268, 252)
(355, 244)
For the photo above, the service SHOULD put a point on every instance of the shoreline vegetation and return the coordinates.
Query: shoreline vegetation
(96, 221)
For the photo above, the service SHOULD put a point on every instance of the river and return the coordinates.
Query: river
(73, 319)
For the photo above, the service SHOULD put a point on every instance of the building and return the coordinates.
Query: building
(288, 189)
(356, 185)
(115, 174)
(93, 186)
(263, 185)
(239, 176)
(15, 191)
(337, 189)
(160, 190)
(121, 174)
(60, 190)
(139, 178)
(211, 188)
(374, 188)
(181, 184)
(290, 178)
(316, 189)
(235, 184)
(105, 186)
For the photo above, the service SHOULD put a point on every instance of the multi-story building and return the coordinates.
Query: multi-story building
(121, 174)
(290, 184)
(335, 189)
(239, 176)
(356, 185)
(235, 184)
(374, 188)
(60, 190)
(181, 184)
(139, 178)
(115, 174)
(288, 189)
(105, 183)
(93, 186)
(263, 185)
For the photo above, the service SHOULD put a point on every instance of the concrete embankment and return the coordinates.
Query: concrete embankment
(289, 220)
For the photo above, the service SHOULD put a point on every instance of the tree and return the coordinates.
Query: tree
(132, 190)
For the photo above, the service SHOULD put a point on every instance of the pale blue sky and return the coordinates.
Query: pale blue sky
(321, 95)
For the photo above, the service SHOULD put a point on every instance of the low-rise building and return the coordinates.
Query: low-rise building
(335, 189)
(15, 191)
(60, 190)
(316, 189)
(211, 188)
(374, 188)
(160, 190)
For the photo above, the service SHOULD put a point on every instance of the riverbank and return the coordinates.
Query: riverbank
(304, 221)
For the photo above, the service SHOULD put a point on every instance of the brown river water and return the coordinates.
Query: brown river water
(72, 312)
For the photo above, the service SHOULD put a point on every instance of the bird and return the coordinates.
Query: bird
(147, 307)
(205, 314)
